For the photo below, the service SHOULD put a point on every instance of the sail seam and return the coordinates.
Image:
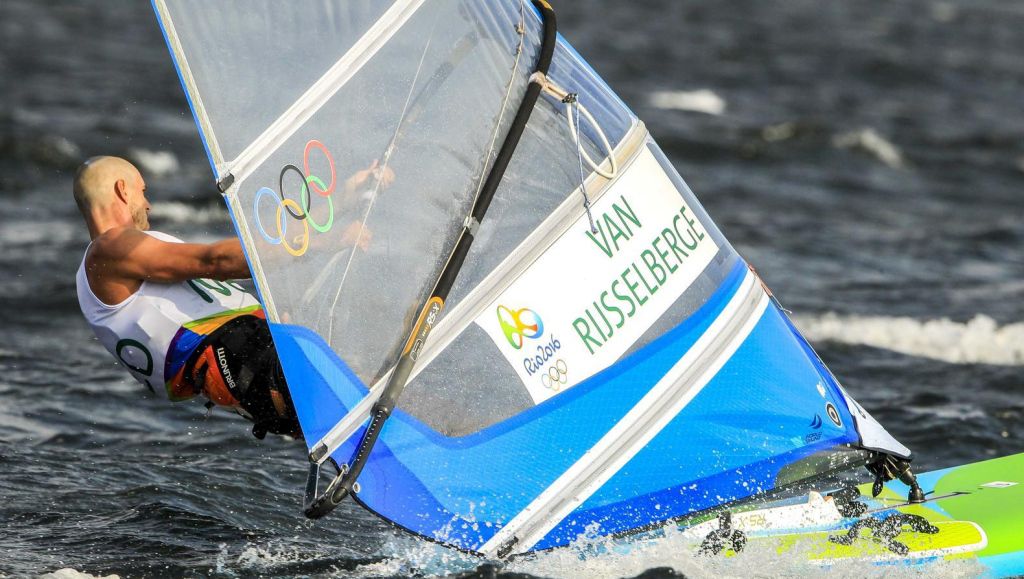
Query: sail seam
(323, 89)
(640, 425)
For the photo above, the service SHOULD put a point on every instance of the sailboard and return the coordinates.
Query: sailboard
(970, 517)
(504, 318)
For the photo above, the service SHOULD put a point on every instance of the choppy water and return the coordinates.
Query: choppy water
(867, 157)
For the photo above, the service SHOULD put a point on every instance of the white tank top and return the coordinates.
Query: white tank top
(157, 327)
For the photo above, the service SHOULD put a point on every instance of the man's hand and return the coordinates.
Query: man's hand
(360, 178)
(356, 233)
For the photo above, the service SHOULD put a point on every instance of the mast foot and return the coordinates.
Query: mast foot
(888, 467)
(916, 495)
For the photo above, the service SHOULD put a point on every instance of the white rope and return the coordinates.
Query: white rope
(561, 94)
(521, 30)
(579, 157)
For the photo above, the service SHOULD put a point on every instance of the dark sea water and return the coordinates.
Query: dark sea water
(868, 159)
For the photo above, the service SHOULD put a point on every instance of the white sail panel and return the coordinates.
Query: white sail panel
(265, 57)
(488, 384)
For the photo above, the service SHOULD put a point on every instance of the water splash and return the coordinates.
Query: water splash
(68, 573)
(669, 551)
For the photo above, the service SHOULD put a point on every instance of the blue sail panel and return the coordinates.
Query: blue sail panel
(729, 442)
(461, 475)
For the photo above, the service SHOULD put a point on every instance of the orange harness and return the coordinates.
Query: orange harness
(237, 367)
(210, 376)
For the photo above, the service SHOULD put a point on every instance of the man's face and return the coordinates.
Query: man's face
(137, 202)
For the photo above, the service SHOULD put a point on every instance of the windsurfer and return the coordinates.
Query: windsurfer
(169, 311)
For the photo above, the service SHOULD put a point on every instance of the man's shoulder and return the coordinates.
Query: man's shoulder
(114, 243)
(118, 242)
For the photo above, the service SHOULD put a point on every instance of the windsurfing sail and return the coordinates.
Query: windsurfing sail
(605, 360)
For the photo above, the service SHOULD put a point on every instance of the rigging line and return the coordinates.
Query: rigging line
(575, 99)
(566, 97)
(521, 29)
(376, 188)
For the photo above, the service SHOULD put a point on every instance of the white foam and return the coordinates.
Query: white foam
(257, 559)
(154, 163)
(698, 101)
(604, 558)
(68, 573)
(184, 213)
(601, 558)
(978, 341)
(869, 141)
(944, 12)
(779, 132)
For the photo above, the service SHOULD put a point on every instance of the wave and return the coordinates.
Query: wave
(698, 101)
(979, 341)
(871, 142)
(154, 163)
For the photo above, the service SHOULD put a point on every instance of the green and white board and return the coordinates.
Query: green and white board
(975, 511)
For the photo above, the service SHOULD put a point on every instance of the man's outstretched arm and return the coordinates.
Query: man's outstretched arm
(130, 254)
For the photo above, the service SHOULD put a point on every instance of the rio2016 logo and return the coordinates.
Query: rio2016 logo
(519, 324)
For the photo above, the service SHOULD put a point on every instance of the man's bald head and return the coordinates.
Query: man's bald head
(96, 179)
(110, 192)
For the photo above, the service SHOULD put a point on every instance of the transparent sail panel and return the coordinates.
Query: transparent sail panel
(266, 57)
(353, 216)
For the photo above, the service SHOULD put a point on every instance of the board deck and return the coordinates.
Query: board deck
(977, 508)
(989, 494)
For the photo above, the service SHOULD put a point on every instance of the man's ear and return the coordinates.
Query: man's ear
(121, 190)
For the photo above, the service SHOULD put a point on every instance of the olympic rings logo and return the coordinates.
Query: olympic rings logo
(519, 324)
(556, 376)
(300, 212)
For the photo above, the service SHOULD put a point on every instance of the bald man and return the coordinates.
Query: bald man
(169, 311)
